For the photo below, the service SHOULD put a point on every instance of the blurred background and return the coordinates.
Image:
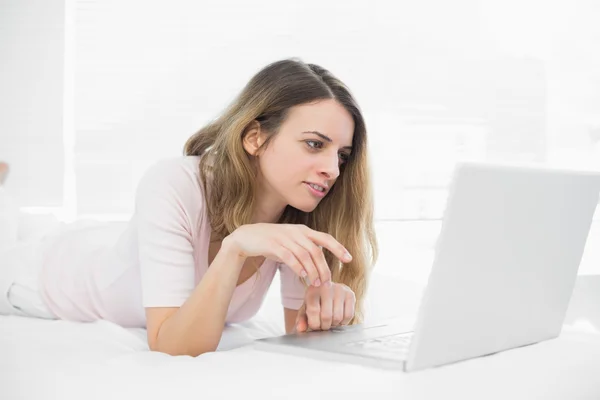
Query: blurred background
(93, 92)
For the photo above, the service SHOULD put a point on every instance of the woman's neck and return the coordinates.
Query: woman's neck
(268, 207)
(264, 215)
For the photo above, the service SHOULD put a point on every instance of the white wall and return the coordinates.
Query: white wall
(31, 99)
(124, 82)
(438, 81)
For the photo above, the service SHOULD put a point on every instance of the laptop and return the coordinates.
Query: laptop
(504, 269)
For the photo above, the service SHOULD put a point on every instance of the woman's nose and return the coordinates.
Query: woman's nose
(331, 167)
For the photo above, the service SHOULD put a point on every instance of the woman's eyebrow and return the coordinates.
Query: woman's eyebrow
(326, 138)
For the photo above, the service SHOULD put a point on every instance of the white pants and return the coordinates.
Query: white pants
(20, 261)
(19, 272)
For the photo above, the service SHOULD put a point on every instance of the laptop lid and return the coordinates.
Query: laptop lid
(506, 260)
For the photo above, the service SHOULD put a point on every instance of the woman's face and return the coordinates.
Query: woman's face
(302, 162)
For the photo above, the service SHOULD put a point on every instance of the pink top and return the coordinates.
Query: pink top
(94, 270)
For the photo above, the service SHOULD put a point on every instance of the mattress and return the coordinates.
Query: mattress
(45, 359)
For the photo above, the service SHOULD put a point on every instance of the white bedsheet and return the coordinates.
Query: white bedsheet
(42, 359)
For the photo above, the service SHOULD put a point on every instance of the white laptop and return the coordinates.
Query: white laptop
(505, 266)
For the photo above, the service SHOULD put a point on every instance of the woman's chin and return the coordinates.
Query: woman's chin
(305, 207)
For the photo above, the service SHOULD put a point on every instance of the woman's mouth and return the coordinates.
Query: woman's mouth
(316, 190)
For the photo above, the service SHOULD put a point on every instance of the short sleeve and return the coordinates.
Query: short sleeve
(164, 231)
(292, 288)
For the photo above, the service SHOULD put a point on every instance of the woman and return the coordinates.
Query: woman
(279, 181)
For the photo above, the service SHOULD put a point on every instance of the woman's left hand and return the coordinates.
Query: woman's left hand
(325, 307)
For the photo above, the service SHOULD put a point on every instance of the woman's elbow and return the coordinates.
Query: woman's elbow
(181, 351)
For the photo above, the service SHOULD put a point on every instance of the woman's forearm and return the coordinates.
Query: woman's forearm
(196, 327)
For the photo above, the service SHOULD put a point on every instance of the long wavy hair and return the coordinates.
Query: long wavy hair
(229, 176)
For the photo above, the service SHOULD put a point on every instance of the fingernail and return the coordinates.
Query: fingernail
(317, 282)
(303, 273)
(347, 256)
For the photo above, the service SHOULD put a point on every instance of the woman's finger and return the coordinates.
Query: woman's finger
(313, 309)
(318, 259)
(339, 299)
(301, 324)
(349, 303)
(284, 255)
(303, 256)
(330, 243)
(326, 293)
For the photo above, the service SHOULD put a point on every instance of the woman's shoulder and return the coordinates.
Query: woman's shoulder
(175, 166)
(173, 181)
(178, 172)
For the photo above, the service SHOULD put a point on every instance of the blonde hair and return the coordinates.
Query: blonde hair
(346, 212)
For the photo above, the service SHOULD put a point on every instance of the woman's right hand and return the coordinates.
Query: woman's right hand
(297, 246)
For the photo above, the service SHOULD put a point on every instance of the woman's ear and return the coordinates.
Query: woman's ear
(252, 138)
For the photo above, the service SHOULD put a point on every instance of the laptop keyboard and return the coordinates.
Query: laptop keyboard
(397, 343)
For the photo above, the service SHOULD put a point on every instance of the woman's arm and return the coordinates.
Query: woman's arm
(196, 327)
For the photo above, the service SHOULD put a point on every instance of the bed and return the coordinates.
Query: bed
(42, 359)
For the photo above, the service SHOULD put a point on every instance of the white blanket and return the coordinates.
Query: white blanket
(42, 359)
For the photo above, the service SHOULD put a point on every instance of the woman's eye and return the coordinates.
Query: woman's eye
(315, 144)
(344, 157)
